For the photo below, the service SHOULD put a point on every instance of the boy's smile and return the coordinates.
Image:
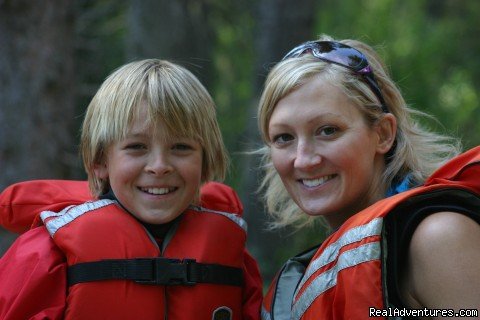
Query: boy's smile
(158, 191)
(153, 177)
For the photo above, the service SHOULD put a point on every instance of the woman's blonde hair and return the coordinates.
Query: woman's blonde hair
(174, 98)
(417, 151)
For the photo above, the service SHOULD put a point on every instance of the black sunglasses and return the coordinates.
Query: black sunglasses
(342, 55)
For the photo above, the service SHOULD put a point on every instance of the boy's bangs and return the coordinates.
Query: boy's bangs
(176, 121)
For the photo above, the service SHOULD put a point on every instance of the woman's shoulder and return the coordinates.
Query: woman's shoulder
(444, 227)
(443, 259)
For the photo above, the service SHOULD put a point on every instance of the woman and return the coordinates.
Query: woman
(342, 144)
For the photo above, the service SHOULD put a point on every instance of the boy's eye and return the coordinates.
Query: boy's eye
(135, 146)
(182, 146)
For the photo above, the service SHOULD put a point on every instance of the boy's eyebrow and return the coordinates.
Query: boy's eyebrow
(131, 135)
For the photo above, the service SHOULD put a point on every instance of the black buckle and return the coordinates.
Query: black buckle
(167, 271)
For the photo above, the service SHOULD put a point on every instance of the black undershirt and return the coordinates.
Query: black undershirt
(158, 231)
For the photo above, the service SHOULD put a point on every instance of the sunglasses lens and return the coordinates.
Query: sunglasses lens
(344, 56)
(298, 51)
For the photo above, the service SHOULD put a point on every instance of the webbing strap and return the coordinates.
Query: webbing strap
(155, 271)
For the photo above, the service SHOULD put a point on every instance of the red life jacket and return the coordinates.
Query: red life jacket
(22, 202)
(357, 267)
(101, 230)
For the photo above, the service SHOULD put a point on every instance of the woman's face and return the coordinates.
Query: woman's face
(328, 158)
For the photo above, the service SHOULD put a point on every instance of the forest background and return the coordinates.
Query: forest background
(54, 54)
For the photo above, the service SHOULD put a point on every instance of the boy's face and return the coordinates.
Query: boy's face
(154, 179)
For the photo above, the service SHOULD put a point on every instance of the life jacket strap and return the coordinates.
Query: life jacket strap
(155, 271)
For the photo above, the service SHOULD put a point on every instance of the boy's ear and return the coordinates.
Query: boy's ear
(386, 130)
(101, 170)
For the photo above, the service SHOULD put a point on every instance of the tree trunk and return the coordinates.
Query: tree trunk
(173, 30)
(281, 24)
(36, 91)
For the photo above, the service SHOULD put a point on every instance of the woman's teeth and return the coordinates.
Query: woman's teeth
(316, 182)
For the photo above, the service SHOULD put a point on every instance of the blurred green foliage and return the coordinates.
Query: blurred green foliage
(430, 48)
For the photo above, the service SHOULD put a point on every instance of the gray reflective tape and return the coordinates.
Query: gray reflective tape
(265, 314)
(235, 218)
(328, 279)
(70, 213)
(49, 214)
(330, 253)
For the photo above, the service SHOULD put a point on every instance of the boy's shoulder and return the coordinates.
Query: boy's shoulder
(54, 220)
(22, 202)
(220, 197)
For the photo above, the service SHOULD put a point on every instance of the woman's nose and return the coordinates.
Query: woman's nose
(306, 156)
(159, 164)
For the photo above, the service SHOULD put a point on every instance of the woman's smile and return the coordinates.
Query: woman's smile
(312, 183)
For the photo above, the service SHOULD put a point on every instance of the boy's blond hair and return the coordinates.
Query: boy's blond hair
(174, 98)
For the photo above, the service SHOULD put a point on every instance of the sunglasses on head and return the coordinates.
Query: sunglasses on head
(342, 55)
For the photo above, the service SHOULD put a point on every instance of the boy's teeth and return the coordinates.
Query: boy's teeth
(158, 191)
(316, 182)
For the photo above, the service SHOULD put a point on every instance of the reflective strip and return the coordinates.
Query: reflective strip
(49, 214)
(235, 218)
(373, 228)
(265, 314)
(328, 279)
(70, 213)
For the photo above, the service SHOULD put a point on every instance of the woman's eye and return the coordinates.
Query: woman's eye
(282, 138)
(328, 131)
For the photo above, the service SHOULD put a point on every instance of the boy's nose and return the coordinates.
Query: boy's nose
(306, 156)
(159, 164)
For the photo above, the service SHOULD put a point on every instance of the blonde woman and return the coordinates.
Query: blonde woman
(402, 206)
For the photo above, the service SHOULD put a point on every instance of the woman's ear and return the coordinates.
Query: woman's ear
(386, 130)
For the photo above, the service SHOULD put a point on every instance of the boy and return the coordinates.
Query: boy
(146, 248)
